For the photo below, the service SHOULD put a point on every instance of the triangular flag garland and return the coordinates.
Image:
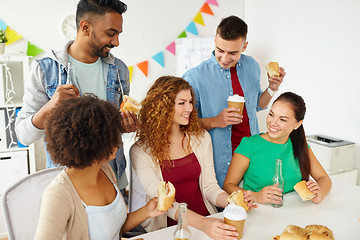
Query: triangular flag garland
(182, 35)
(171, 48)
(12, 35)
(33, 50)
(206, 9)
(131, 69)
(199, 19)
(143, 66)
(159, 58)
(191, 28)
(212, 2)
(3, 25)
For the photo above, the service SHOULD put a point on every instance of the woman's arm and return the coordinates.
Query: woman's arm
(137, 217)
(215, 228)
(238, 166)
(323, 183)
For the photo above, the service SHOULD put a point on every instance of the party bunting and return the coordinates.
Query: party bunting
(159, 58)
(206, 9)
(191, 28)
(12, 35)
(3, 25)
(171, 47)
(131, 68)
(199, 19)
(144, 67)
(182, 35)
(212, 2)
(33, 50)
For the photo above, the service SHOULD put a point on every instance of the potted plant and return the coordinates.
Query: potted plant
(3, 40)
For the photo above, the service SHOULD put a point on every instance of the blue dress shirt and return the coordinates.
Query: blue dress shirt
(212, 86)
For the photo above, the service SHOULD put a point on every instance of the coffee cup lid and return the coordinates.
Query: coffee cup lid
(236, 98)
(234, 212)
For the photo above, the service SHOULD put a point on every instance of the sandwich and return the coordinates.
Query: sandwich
(319, 232)
(273, 69)
(166, 196)
(130, 104)
(237, 198)
(293, 232)
(303, 191)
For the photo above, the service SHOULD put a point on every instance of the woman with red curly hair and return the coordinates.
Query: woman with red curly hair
(173, 147)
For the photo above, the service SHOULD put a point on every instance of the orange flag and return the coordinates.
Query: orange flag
(206, 9)
(144, 67)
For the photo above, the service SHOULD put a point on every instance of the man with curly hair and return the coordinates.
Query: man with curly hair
(97, 71)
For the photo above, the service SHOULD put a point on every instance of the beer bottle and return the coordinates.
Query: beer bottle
(182, 231)
(278, 179)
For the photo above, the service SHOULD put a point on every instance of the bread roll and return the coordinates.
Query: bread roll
(303, 191)
(293, 232)
(319, 232)
(273, 69)
(130, 104)
(166, 196)
(237, 198)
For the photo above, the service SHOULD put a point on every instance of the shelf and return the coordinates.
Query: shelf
(14, 149)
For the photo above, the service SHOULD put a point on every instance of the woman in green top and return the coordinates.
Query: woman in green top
(255, 157)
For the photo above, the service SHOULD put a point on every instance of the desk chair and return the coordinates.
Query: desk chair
(21, 203)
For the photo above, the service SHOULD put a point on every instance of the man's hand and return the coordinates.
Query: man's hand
(228, 116)
(274, 82)
(62, 92)
(130, 121)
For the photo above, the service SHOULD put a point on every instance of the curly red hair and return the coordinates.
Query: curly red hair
(156, 115)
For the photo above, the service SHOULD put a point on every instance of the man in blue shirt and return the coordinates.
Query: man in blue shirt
(226, 73)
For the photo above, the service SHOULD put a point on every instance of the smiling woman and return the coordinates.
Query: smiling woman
(255, 157)
(173, 147)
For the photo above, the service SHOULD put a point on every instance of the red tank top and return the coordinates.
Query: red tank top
(243, 129)
(184, 174)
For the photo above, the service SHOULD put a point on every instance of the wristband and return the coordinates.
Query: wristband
(271, 92)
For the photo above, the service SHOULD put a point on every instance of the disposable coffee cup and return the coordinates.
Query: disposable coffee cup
(235, 215)
(236, 101)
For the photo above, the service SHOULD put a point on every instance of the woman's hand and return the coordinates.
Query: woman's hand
(216, 229)
(269, 194)
(248, 201)
(314, 188)
(151, 208)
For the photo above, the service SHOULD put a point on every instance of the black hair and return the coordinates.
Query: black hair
(297, 136)
(98, 7)
(82, 131)
(232, 28)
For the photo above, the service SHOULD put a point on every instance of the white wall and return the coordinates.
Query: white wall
(317, 42)
(149, 26)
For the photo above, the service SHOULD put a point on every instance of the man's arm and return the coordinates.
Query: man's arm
(274, 84)
(228, 116)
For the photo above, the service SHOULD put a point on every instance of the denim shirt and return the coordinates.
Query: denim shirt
(44, 79)
(212, 86)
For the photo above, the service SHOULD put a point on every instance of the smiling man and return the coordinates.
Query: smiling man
(229, 72)
(83, 65)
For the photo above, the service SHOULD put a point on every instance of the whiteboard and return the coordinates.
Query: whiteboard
(190, 52)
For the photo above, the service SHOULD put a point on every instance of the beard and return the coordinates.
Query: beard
(96, 49)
